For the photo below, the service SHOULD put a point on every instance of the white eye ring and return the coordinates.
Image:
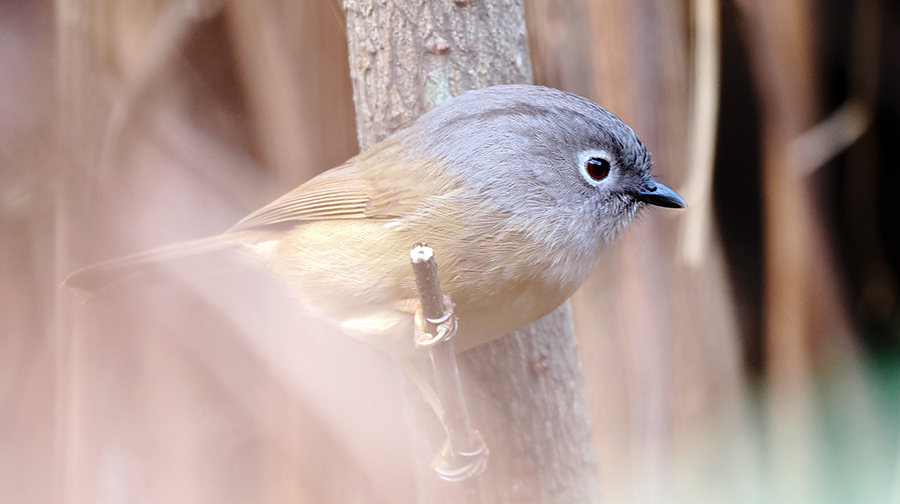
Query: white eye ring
(596, 166)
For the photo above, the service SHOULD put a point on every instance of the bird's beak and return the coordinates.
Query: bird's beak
(657, 194)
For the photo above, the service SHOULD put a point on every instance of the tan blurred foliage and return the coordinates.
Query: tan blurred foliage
(130, 124)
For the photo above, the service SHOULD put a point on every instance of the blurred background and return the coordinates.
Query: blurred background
(745, 350)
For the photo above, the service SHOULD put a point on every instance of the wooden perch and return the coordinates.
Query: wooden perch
(466, 456)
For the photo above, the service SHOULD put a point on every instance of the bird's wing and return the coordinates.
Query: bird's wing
(340, 193)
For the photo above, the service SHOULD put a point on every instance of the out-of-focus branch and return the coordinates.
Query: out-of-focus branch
(816, 146)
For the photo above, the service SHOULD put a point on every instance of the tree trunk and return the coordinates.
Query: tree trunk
(524, 391)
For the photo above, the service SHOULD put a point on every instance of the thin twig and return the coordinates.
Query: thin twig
(467, 452)
(817, 145)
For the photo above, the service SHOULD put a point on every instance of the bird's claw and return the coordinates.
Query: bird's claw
(462, 465)
(445, 326)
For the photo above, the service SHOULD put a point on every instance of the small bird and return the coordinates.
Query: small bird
(517, 188)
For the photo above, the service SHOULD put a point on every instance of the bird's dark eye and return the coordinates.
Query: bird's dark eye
(597, 168)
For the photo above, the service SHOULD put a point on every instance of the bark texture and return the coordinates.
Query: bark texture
(406, 56)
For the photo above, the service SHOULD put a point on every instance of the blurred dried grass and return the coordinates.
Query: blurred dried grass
(129, 124)
(172, 120)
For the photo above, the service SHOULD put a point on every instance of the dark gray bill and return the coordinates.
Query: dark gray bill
(657, 194)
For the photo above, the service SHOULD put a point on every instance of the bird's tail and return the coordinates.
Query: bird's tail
(183, 256)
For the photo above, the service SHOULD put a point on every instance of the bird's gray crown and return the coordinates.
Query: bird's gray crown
(520, 127)
(534, 119)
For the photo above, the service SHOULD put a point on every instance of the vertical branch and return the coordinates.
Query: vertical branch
(405, 58)
(780, 37)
